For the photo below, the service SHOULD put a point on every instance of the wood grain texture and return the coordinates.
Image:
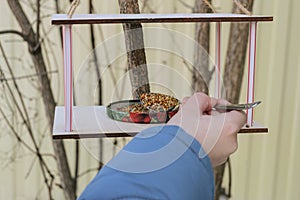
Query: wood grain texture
(60, 19)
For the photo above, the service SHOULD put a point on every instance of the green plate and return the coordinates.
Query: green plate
(117, 112)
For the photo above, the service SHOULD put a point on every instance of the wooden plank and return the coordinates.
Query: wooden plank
(92, 122)
(60, 19)
(255, 128)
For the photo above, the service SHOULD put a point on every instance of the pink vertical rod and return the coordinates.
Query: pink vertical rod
(218, 61)
(68, 88)
(251, 70)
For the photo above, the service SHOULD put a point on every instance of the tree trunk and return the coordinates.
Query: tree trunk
(201, 73)
(136, 57)
(35, 51)
(234, 70)
(236, 55)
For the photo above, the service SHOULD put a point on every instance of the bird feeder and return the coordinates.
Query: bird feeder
(91, 121)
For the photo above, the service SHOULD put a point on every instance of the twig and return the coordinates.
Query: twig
(49, 155)
(72, 8)
(11, 127)
(241, 7)
(30, 167)
(98, 72)
(95, 57)
(38, 17)
(26, 76)
(89, 170)
(26, 121)
(210, 6)
(47, 46)
(13, 32)
(47, 97)
(26, 117)
(60, 28)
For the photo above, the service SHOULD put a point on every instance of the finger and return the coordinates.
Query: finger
(203, 102)
(238, 118)
(220, 102)
(213, 101)
(184, 100)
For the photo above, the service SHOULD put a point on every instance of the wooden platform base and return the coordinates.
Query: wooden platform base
(92, 122)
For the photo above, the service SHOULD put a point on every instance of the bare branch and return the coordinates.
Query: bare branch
(25, 117)
(241, 7)
(88, 171)
(11, 127)
(99, 78)
(35, 51)
(38, 17)
(26, 76)
(73, 7)
(60, 28)
(13, 32)
(207, 2)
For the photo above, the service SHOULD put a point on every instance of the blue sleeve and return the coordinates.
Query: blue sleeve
(162, 162)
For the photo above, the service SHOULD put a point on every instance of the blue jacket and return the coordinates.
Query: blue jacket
(162, 162)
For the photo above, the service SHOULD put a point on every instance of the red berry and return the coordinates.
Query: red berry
(147, 119)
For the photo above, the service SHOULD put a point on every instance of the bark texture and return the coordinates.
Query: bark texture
(236, 55)
(201, 73)
(134, 39)
(36, 54)
(234, 71)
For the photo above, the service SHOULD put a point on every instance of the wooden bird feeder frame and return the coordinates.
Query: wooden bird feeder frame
(91, 121)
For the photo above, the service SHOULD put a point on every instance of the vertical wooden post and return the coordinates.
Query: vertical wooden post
(68, 79)
(218, 61)
(251, 70)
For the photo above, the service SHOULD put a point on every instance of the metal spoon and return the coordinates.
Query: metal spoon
(236, 106)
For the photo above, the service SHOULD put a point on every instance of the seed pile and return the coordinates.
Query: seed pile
(152, 102)
(156, 100)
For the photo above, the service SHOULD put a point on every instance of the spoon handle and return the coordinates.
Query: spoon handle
(236, 106)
